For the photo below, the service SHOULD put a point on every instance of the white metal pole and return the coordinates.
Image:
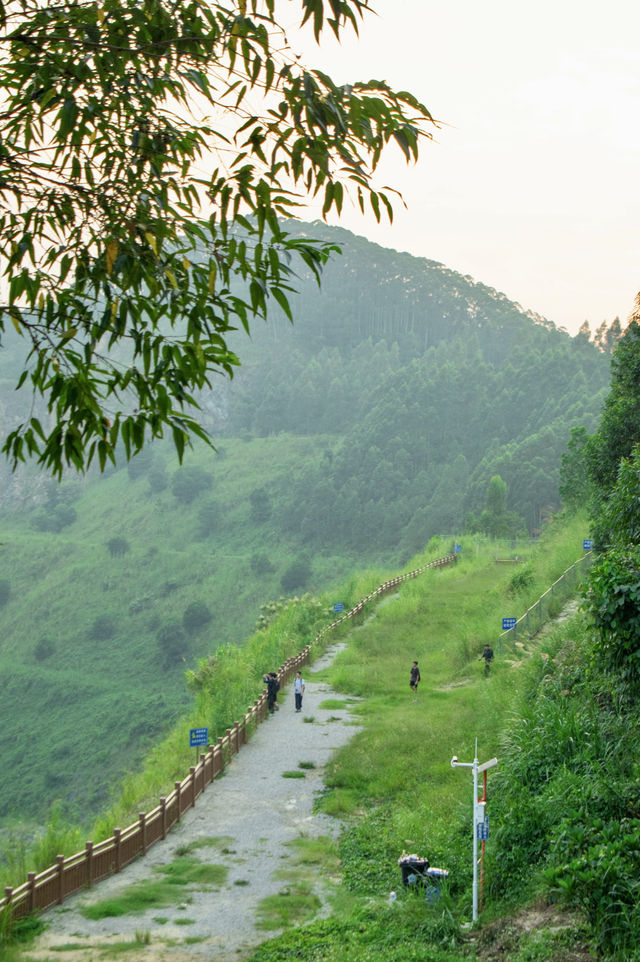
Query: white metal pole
(475, 836)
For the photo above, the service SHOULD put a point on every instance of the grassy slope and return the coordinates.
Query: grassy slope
(393, 782)
(71, 722)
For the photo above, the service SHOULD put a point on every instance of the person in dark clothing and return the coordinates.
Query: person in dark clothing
(414, 678)
(273, 686)
(487, 654)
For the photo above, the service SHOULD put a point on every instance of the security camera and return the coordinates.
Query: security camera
(454, 760)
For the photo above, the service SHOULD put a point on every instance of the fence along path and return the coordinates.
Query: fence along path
(103, 859)
(536, 615)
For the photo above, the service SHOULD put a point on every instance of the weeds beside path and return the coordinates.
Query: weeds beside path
(253, 822)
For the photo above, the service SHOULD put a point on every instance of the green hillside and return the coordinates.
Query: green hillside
(347, 440)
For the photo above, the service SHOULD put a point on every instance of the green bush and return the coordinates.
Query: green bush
(189, 482)
(103, 628)
(118, 546)
(196, 615)
(172, 642)
(44, 649)
(296, 576)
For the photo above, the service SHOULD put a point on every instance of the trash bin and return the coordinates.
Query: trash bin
(433, 879)
(413, 869)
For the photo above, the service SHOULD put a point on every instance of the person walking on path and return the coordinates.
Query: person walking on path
(414, 678)
(298, 689)
(487, 654)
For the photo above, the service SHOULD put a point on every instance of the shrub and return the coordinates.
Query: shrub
(118, 546)
(44, 649)
(48, 519)
(189, 482)
(171, 642)
(196, 615)
(260, 564)
(103, 628)
(208, 519)
(296, 576)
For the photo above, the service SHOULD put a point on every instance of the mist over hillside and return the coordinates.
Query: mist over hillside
(347, 439)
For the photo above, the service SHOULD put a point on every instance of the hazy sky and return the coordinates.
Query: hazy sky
(533, 185)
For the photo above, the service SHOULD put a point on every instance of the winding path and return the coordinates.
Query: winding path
(256, 812)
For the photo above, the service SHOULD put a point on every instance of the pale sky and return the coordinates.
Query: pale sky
(533, 185)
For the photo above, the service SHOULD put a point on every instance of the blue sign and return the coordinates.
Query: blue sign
(482, 830)
(198, 736)
(457, 548)
(587, 544)
(338, 606)
(508, 623)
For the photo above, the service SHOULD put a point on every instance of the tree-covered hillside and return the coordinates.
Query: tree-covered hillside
(375, 421)
(431, 384)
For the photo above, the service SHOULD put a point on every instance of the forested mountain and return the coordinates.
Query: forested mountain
(347, 439)
(430, 384)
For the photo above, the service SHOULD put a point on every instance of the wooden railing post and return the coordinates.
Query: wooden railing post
(116, 854)
(163, 809)
(88, 855)
(230, 743)
(60, 870)
(192, 772)
(142, 816)
(8, 894)
(236, 730)
(178, 788)
(203, 764)
(31, 879)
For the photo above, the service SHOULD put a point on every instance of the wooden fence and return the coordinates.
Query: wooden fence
(98, 861)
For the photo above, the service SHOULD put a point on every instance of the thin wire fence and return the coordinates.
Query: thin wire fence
(548, 604)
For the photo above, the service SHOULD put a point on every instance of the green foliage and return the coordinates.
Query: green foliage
(127, 290)
(296, 575)
(189, 482)
(103, 628)
(118, 546)
(613, 601)
(260, 563)
(618, 520)
(575, 487)
(44, 649)
(5, 591)
(619, 428)
(172, 642)
(196, 615)
(54, 518)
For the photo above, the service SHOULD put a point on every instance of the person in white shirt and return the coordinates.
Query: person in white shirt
(298, 690)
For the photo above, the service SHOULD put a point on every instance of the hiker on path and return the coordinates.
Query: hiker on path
(414, 678)
(298, 689)
(272, 683)
(487, 654)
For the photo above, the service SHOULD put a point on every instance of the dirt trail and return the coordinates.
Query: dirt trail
(255, 813)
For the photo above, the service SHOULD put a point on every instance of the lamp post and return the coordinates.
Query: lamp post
(479, 823)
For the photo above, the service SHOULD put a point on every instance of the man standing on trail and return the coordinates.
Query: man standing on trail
(298, 689)
(271, 681)
(414, 678)
(487, 654)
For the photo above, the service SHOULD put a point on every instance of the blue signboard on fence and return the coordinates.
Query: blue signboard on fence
(508, 623)
(587, 544)
(457, 548)
(198, 736)
(338, 606)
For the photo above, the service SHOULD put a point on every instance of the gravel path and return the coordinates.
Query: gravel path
(255, 813)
